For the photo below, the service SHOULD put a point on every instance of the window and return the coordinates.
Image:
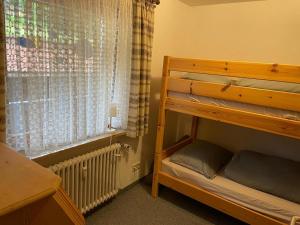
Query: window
(67, 63)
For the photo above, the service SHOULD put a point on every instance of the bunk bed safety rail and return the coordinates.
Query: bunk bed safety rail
(232, 92)
(260, 71)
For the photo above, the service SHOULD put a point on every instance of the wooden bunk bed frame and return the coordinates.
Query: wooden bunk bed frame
(262, 97)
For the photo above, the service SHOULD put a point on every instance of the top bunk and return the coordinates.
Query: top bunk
(260, 96)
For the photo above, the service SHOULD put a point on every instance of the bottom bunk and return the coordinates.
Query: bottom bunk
(254, 200)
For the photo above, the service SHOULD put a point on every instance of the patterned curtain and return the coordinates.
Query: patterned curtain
(143, 24)
(2, 75)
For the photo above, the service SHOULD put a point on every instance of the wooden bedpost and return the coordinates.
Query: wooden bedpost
(194, 130)
(160, 127)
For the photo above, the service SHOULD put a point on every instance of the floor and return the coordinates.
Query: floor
(135, 206)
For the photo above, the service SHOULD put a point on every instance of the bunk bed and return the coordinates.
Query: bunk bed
(237, 100)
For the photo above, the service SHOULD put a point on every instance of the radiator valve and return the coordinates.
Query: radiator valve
(126, 147)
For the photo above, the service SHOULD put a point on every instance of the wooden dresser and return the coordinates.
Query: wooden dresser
(31, 195)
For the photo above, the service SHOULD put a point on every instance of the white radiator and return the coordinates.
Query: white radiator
(92, 178)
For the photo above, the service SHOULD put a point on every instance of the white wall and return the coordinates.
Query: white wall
(261, 30)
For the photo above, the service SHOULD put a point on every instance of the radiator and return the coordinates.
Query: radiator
(92, 178)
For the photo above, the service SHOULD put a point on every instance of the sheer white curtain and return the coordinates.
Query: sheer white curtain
(67, 62)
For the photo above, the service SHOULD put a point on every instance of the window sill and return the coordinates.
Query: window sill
(78, 149)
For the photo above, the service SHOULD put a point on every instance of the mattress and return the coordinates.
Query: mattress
(267, 204)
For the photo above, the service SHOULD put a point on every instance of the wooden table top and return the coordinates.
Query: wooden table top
(23, 181)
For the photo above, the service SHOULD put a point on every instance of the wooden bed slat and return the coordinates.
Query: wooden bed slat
(262, 97)
(179, 85)
(215, 201)
(270, 124)
(275, 72)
